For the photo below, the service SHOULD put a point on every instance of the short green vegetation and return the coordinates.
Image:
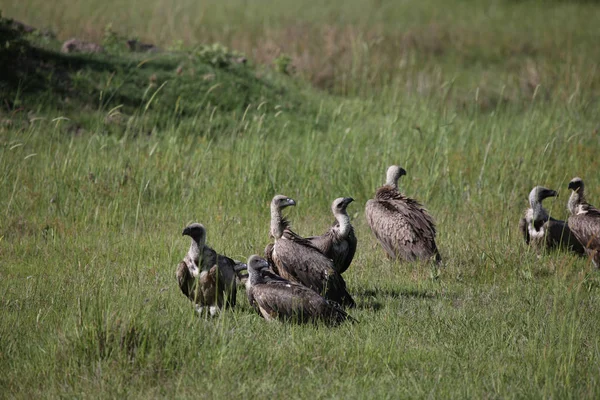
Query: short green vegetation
(105, 158)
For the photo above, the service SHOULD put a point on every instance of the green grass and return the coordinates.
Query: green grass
(103, 163)
(504, 48)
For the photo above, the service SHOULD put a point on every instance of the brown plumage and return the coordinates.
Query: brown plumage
(295, 259)
(339, 242)
(584, 221)
(207, 278)
(274, 297)
(402, 225)
(542, 231)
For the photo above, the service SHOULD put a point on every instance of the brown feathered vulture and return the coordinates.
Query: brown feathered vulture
(274, 297)
(207, 278)
(402, 225)
(294, 258)
(584, 220)
(542, 231)
(339, 242)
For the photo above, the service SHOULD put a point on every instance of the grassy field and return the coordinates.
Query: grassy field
(503, 48)
(105, 158)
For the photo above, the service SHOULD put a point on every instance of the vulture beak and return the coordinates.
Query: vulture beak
(291, 202)
(186, 232)
(348, 200)
(551, 193)
(402, 171)
(240, 267)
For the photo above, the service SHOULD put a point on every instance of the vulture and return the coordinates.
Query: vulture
(294, 258)
(542, 231)
(339, 242)
(584, 221)
(402, 225)
(207, 278)
(274, 297)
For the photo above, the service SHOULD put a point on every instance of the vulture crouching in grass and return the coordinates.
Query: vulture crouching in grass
(339, 242)
(584, 221)
(274, 297)
(208, 279)
(540, 230)
(296, 260)
(402, 225)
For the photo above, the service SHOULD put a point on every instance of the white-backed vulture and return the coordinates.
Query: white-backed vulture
(274, 297)
(402, 225)
(584, 221)
(339, 242)
(295, 259)
(542, 231)
(207, 278)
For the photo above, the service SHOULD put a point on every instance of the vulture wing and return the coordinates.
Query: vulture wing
(524, 228)
(227, 279)
(323, 243)
(348, 253)
(341, 251)
(225, 275)
(586, 228)
(185, 280)
(403, 227)
(558, 234)
(269, 256)
(298, 261)
(291, 301)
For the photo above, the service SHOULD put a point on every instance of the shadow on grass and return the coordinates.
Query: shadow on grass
(157, 91)
(369, 304)
(35, 71)
(395, 294)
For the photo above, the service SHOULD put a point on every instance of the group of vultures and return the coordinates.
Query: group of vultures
(300, 278)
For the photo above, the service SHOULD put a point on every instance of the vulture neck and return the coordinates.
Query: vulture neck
(254, 278)
(391, 182)
(576, 199)
(539, 213)
(344, 224)
(391, 179)
(276, 222)
(196, 248)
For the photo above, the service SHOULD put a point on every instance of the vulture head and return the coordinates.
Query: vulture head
(339, 205)
(539, 193)
(278, 223)
(576, 185)
(196, 231)
(240, 266)
(394, 173)
(280, 202)
(256, 265)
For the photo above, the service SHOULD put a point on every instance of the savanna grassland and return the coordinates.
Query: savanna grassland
(104, 158)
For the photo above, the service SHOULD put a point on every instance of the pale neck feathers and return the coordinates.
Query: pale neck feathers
(575, 201)
(391, 180)
(344, 223)
(277, 225)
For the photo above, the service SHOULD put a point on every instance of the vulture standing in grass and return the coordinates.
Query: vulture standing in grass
(542, 231)
(294, 258)
(584, 221)
(402, 225)
(339, 242)
(207, 278)
(274, 297)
